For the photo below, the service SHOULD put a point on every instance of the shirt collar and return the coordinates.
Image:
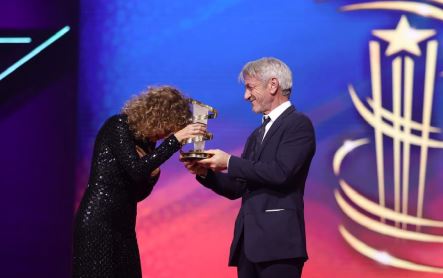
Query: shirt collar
(274, 114)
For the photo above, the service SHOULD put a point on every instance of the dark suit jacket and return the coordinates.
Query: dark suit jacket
(271, 184)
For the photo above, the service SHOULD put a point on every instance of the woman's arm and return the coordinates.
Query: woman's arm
(124, 148)
(144, 189)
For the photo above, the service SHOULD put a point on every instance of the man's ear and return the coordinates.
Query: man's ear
(273, 85)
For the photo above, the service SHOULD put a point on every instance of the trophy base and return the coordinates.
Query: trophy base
(195, 155)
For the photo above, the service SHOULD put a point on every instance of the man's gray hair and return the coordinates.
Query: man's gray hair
(266, 68)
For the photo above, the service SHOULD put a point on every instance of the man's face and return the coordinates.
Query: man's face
(258, 93)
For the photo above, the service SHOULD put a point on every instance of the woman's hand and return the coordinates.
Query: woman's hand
(140, 151)
(190, 131)
(156, 172)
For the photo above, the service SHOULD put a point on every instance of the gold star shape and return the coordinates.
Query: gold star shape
(403, 37)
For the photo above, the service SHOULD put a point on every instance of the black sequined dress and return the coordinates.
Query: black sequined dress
(105, 243)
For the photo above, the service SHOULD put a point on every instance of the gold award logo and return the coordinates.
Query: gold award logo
(393, 215)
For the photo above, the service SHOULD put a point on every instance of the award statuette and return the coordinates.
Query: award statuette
(200, 114)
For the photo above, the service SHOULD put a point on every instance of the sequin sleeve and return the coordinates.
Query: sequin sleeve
(123, 147)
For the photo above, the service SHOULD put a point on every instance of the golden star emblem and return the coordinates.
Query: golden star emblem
(403, 37)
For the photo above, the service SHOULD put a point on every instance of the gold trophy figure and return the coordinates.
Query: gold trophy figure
(200, 114)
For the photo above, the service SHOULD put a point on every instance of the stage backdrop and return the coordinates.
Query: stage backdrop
(38, 87)
(368, 74)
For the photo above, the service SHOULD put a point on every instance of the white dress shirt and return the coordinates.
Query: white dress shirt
(275, 113)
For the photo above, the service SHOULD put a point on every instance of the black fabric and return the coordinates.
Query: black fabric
(259, 133)
(271, 184)
(105, 243)
(288, 268)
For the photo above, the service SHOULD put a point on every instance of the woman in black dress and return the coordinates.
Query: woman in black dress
(125, 167)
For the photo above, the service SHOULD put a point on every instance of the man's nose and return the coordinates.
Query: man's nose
(247, 95)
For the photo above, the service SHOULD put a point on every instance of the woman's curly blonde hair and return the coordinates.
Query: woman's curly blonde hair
(157, 112)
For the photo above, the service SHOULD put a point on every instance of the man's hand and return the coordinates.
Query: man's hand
(218, 162)
(194, 168)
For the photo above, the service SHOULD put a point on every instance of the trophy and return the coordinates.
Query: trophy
(201, 113)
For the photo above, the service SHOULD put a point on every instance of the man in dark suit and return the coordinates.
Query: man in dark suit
(269, 237)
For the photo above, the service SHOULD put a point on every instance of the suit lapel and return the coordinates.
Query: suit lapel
(250, 145)
(274, 128)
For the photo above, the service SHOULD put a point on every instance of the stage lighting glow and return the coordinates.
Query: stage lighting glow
(15, 40)
(35, 52)
(383, 258)
(418, 8)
